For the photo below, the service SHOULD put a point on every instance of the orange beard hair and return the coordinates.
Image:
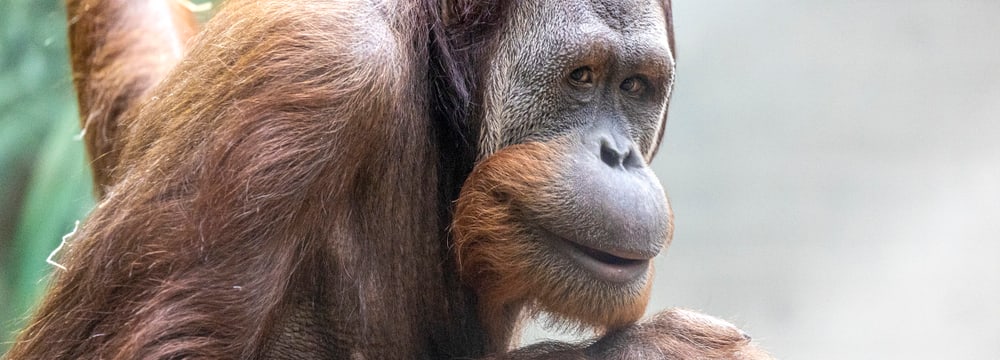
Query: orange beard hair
(500, 257)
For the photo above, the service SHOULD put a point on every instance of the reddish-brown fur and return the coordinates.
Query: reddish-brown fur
(284, 193)
(497, 252)
(244, 199)
(121, 49)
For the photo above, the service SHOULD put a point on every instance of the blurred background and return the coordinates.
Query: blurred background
(834, 167)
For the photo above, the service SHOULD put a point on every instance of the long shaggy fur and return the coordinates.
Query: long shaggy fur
(121, 48)
(245, 200)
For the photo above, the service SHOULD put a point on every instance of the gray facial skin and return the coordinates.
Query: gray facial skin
(531, 94)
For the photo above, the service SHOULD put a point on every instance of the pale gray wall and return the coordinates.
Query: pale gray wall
(834, 167)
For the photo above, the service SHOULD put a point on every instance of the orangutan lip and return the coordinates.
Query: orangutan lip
(607, 266)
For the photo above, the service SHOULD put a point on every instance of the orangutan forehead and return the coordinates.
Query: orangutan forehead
(619, 15)
(635, 24)
(542, 40)
(624, 14)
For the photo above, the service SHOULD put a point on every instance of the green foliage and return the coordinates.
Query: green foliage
(58, 194)
(44, 183)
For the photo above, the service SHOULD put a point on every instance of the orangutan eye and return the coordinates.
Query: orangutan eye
(582, 76)
(633, 86)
